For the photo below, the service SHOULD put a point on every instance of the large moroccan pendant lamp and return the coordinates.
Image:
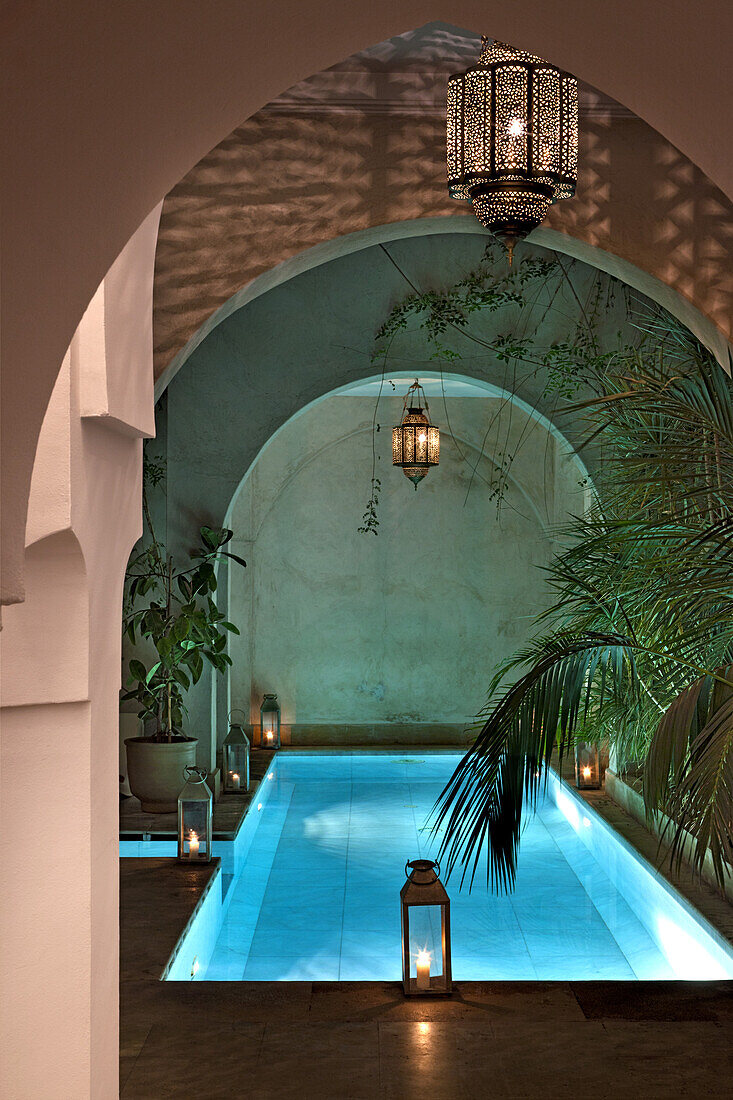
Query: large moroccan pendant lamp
(415, 441)
(512, 139)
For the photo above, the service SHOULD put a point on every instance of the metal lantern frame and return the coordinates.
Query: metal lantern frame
(422, 889)
(512, 139)
(235, 755)
(270, 722)
(195, 817)
(587, 766)
(415, 441)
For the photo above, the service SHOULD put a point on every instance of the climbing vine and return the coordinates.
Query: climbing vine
(566, 367)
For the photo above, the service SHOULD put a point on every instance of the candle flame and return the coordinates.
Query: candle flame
(423, 958)
(586, 772)
(192, 835)
(235, 775)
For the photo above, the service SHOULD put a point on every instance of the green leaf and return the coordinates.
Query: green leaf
(137, 669)
(234, 557)
(152, 672)
(181, 678)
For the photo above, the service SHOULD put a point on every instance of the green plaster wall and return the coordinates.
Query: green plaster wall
(392, 637)
(292, 346)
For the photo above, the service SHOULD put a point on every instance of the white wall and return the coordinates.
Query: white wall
(405, 628)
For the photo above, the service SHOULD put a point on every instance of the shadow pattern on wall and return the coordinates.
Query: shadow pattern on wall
(362, 145)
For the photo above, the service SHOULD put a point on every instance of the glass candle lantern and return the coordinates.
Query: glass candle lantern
(426, 954)
(270, 722)
(587, 766)
(195, 806)
(235, 755)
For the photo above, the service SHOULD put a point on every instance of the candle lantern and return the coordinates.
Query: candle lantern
(512, 139)
(235, 753)
(270, 722)
(194, 818)
(587, 766)
(426, 956)
(415, 441)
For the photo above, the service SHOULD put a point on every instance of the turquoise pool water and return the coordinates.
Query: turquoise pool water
(318, 894)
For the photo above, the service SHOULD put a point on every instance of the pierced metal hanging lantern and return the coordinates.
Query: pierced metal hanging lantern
(512, 133)
(415, 441)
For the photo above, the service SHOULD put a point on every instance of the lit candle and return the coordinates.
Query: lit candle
(586, 772)
(423, 970)
(235, 781)
(193, 844)
(269, 735)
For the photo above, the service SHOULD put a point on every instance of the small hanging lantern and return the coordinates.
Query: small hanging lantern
(512, 129)
(415, 441)
(195, 806)
(235, 754)
(270, 722)
(426, 955)
(587, 766)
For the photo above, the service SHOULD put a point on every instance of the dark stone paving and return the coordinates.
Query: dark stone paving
(229, 809)
(348, 1040)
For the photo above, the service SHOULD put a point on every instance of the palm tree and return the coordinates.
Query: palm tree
(638, 645)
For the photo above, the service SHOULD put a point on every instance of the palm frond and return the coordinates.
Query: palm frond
(481, 806)
(642, 621)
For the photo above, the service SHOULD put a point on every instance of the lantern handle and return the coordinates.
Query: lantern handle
(236, 710)
(436, 867)
(192, 769)
(416, 389)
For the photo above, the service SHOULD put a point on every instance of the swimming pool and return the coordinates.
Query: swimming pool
(317, 896)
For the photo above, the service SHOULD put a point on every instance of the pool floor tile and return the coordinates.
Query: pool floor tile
(284, 968)
(319, 896)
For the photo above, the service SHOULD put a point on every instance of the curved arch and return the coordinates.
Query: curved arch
(305, 479)
(45, 640)
(488, 388)
(129, 151)
(323, 253)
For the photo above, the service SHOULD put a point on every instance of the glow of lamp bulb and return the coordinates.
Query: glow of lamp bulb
(422, 438)
(516, 127)
(235, 781)
(422, 966)
(586, 772)
(193, 844)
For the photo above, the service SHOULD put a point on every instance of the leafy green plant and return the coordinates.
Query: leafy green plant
(638, 645)
(173, 610)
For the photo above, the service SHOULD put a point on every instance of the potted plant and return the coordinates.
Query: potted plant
(171, 613)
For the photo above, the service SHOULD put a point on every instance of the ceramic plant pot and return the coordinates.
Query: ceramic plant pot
(155, 771)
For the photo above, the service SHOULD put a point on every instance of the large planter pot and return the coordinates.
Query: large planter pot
(155, 771)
